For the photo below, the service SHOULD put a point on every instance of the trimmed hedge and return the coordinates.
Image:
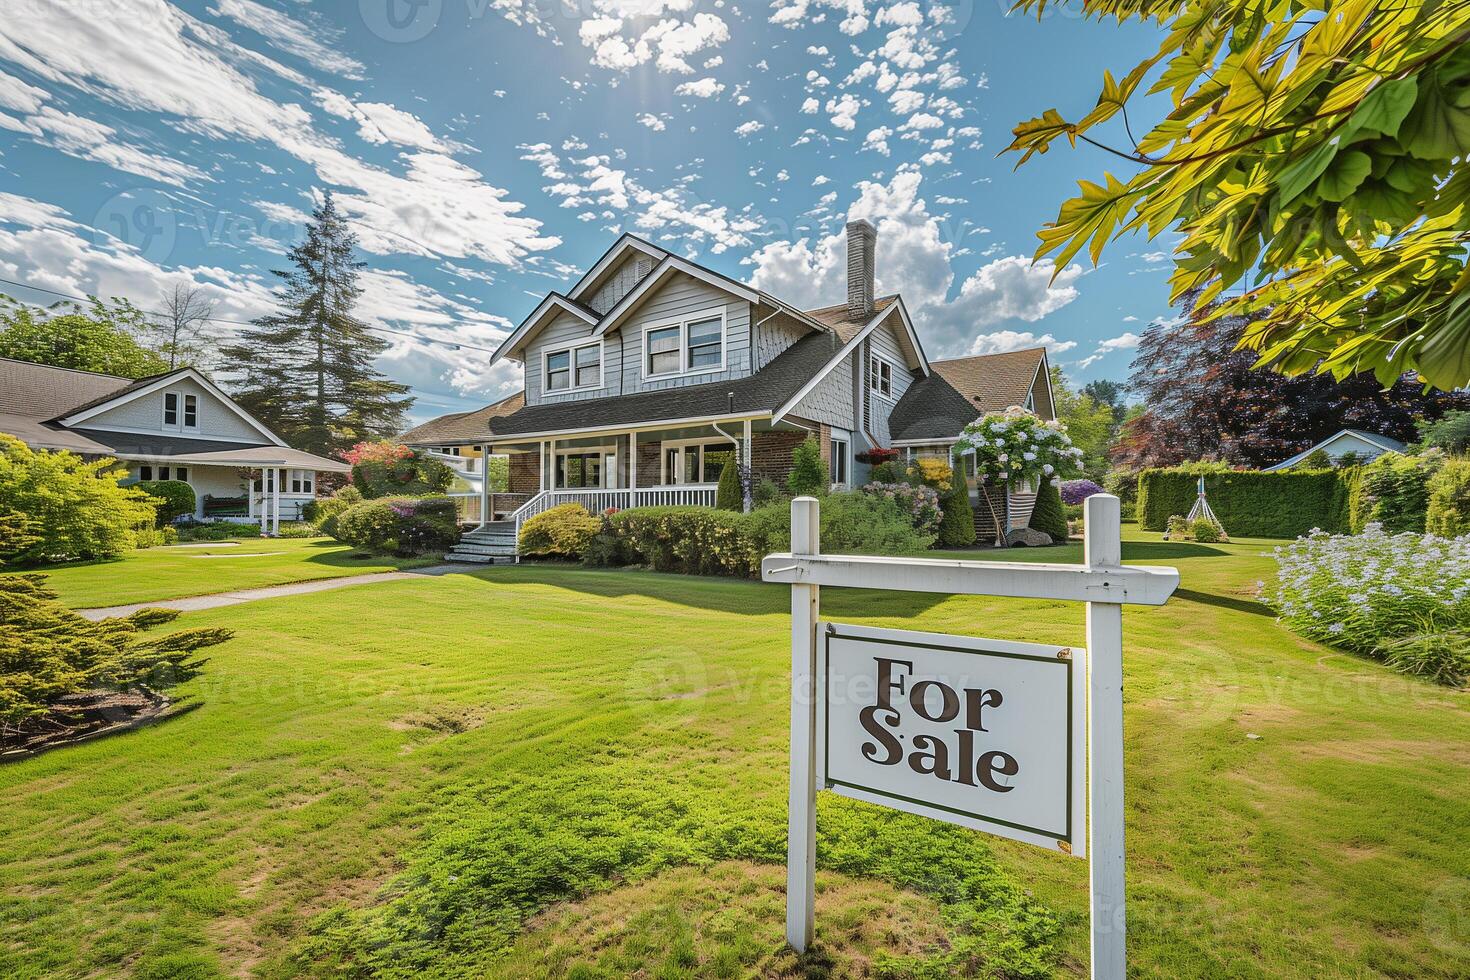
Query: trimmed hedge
(1048, 516)
(1394, 492)
(175, 498)
(1449, 499)
(562, 531)
(1282, 504)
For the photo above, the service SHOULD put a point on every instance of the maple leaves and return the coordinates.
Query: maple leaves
(1315, 157)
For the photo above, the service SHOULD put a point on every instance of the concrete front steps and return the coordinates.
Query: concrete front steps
(494, 544)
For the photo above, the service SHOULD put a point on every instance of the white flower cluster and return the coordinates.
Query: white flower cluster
(1357, 591)
(1018, 445)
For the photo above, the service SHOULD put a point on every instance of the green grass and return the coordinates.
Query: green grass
(177, 571)
(548, 771)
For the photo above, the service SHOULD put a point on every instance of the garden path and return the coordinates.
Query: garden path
(196, 602)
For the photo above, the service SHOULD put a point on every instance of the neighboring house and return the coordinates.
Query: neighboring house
(650, 370)
(1363, 445)
(173, 426)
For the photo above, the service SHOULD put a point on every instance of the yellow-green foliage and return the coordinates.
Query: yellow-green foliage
(46, 650)
(1449, 499)
(1048, 516)
(1394, 492)
(561, 532)
(932, 472)
(77, 508)
(1281, 504)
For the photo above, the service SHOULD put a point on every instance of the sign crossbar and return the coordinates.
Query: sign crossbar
(1102, 582)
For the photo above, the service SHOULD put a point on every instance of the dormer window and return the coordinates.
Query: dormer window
(692, 346)
(574, 369)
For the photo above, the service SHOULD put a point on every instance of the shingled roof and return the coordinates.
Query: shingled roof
(961, 390)
(40, 391)
(840, 318)
(463, 427)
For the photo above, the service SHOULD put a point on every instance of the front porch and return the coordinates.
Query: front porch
(644, 466)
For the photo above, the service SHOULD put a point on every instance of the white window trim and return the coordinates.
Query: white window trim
(683, 324)
(178, 421)
(571, 351)
(609, 475)
(184, 397)
(846, 440)
(872, 375)
(682, 445)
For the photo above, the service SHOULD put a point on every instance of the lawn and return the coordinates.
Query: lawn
(199, 569)
(547, 771)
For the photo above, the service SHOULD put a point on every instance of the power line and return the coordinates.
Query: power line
(457, 345)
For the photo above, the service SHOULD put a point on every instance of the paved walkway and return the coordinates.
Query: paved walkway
(192, 603)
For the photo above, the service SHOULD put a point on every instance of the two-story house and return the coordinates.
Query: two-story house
(650, 370)
(173, 426)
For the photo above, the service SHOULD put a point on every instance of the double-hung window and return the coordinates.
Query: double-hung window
(574, 369)
(301, 481)
(839, 462)
(692, 346)
(880, 376)
(171, 409)
(191, 412)
(663, 350)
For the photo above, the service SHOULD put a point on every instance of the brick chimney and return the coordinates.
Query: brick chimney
(862, 242)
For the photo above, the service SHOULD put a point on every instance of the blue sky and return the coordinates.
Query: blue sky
(488, 150)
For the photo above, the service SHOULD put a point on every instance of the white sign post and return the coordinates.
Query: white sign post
(987, 734)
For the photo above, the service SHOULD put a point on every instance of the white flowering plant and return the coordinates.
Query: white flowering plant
(1402, 598)
(1017, 445)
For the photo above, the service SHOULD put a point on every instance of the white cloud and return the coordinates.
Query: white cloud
(913, 258)
(652, 122)
(844, 111)
(749, 128)
(291, 36)
(622, 43)
(811, 107)
(1002, 341)
(821, 179)
(703, 89)
(877, 139)
(1126, 341)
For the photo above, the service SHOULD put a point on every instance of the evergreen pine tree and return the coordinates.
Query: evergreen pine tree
(307, 371)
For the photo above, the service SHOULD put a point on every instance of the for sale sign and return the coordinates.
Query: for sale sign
(989, 734)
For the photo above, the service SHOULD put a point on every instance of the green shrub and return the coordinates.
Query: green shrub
(957, 526)
(1448, 512)
(564, 531)
(17, 533)
(400, 525)
(149, 536)
(1280, 504)
(886, 472)
(1451, 433)
(1317, 459)
(1395, 492)
(216, 531)
(1123, 484)
(1047, 516)
(729, 495)
(173, 498)
(1443, 657)
(324, 512)
(808, 475)
(297, 529)
(1178, 528)
(708, 541)
(49, 651)
(919, 503)
(76, 507)
(1203, 530)
(766, 491)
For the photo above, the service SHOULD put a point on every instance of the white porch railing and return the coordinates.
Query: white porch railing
(599, 500)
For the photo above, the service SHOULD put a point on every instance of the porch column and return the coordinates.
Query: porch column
(551, 465)
(745, 487)
(485, 514)
(276, 501)
(541, 465)
(633, 468)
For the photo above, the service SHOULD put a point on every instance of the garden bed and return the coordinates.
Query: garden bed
(89, 715)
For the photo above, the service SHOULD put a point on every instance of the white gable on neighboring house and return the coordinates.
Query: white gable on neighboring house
(1367, 445)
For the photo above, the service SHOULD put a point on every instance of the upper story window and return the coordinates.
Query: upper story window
(574, 368)
(177, 406)
(692, 346)
(880, 376)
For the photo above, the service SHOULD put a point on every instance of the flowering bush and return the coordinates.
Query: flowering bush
(400, 525)
(383, 468)
(919, 504)
(876, 456)
(1403, 598)
(1076, 491)
(1018, 445)
(384, 451)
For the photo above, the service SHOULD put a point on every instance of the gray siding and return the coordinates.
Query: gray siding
(678, 297)
(774, 336)
(883, 341)
(146, 414)
(564, 330)
(627, 275)
(831, 400)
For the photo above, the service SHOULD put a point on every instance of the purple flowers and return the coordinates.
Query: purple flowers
(1076, 491)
